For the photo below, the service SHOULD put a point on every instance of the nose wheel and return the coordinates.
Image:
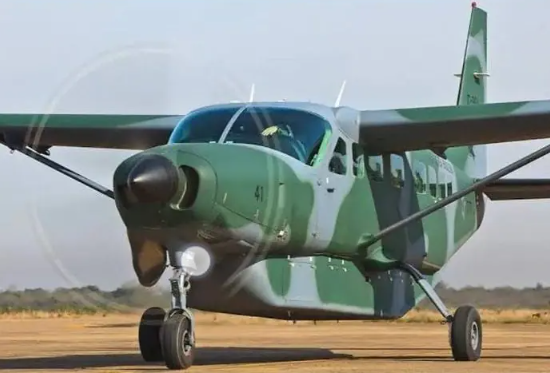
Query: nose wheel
(170, 337)
(150, 327)
(177, 338)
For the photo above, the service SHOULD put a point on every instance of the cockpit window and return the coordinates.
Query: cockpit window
(203, 126)
(296, 133)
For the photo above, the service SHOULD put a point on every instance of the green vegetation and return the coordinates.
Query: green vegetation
(134, 298)
(500, 298)
(84, 300)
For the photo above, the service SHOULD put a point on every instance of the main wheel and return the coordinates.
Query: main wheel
(466, 335)
(149, 334)
(177, 349)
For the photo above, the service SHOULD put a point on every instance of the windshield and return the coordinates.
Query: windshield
(296, 133)
(202, 126)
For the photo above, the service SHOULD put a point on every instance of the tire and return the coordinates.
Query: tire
(149, 334)
(176, 348)
(466, 334)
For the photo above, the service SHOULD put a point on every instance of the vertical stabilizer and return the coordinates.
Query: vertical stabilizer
(472, 91)
(473, 76)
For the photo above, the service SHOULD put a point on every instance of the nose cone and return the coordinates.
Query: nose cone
(153, 179)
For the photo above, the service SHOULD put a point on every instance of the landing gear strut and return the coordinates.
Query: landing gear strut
(170, 336)
(465, 334)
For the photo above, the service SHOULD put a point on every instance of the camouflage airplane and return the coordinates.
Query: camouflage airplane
(309, 212)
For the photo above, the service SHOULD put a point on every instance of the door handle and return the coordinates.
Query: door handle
(330, 190)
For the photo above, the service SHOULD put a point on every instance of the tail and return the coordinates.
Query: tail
(472, 91)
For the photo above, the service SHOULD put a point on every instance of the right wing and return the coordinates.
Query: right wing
(399, 130)
(116, 131)
(513, 189)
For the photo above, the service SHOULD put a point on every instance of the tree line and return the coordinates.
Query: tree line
(133, 297)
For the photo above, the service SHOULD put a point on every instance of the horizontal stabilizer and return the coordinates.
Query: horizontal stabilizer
(509, 189)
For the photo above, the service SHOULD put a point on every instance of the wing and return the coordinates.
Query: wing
(41, 131)
(382, 131)
(509, 189)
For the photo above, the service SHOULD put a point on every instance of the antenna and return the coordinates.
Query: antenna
(250, 99)
(339, 98)
(252, 90)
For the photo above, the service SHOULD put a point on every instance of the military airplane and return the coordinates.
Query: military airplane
(307, 212)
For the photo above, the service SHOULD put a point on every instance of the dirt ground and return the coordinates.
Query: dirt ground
(109, 344)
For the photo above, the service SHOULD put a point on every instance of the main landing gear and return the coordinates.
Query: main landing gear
(465, 335)
(170, 336)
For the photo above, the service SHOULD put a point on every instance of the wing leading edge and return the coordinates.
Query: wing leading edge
(384, 131)
(116, 131)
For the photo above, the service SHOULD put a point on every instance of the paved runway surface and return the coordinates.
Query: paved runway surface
(109, 344)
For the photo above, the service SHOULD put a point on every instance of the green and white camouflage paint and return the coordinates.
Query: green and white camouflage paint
(294, 250)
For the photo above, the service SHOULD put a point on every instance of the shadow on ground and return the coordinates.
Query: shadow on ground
(204, 356)
(221, 355)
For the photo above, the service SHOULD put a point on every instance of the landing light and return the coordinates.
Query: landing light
(195, 260)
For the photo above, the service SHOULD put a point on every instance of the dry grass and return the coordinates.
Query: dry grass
(507, 316)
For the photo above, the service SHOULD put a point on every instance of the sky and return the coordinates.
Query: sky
(169, 57)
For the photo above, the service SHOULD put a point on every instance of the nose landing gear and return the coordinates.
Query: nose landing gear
(170, 336)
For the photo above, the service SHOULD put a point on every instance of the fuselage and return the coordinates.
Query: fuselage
(283, 195)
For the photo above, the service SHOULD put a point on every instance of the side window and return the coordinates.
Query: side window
(420, 177)
(375, 168)
(358, 161)
(442, 182)
(449, 189)
(397, 170)
(432, 181)
(337, 163)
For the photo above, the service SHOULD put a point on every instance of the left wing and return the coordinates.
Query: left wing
(117, 131)
(382, 131)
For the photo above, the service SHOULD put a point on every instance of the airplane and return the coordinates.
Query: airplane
(299, 210)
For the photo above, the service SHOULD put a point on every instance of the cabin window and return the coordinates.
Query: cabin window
(443, 177)
(397, 170)
(337, 163)
(358, 160)
(449, 189)
(420, 176)
(432, 181)
(375, 168)
(443, 190)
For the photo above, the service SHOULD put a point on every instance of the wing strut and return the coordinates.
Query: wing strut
(453, 197)
(65, 171)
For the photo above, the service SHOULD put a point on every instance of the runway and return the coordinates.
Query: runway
(109, 344)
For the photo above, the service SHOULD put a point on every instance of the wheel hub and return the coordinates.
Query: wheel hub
(186, 343)
(474, 335)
